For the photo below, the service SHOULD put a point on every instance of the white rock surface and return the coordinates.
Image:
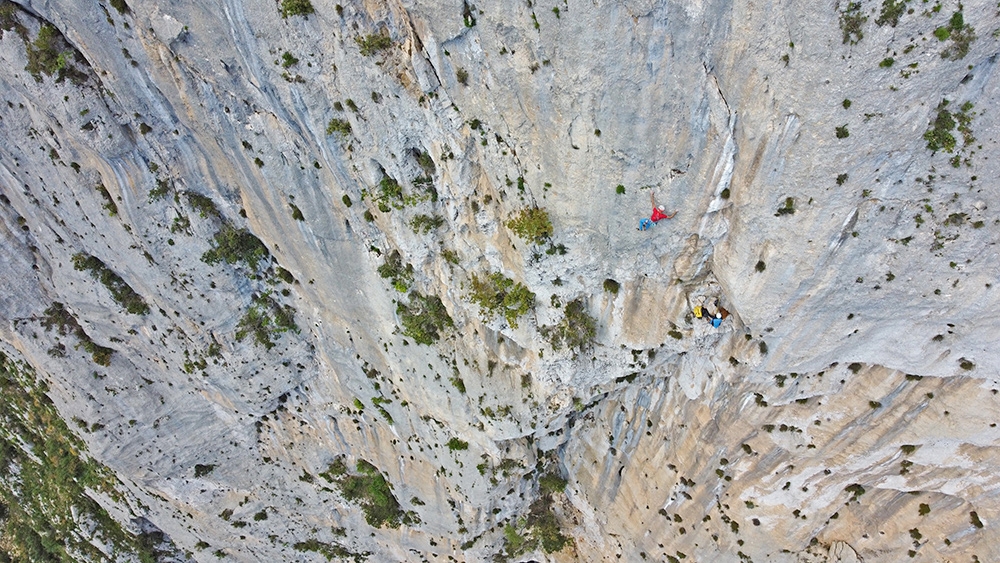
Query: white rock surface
(724, 444)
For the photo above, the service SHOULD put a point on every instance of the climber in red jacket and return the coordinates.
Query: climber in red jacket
(658, 214)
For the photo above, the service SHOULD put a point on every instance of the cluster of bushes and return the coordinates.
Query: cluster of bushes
(399, 274)
(121, 292)
(46, 483)
(961, 34)
(265, 320)
(939, 133)
(369, 490)
(539, 528)
(498, 295)
(576, 331)
(339, 126)
(373, 43)
(65, 323)
(50, 54)
(296, 8)
(330, 550)
(424, 318)
(532, 224)
(236, 246)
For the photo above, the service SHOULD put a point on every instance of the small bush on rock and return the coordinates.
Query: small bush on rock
(576, 331)
(236, 246)
(497, 294)
(424, 318)
(296, 8)
(532, 224)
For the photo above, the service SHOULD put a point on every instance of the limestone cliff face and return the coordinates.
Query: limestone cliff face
(225, 201)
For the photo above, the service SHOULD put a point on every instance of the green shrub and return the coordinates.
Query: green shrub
(329, 550)
(974, 519)
(497, 294)
(121, 7)
(787, 209)
(426, 162)
(842, 178)
(966, 364)
(58, 317)
(296, 8)
(398, 273)
(961, 34)
(455, 444)
(373, 43)
(236, 246)
(450, 256)
(296, 212)
(551, 483)
(424, 318)
(109, 202)
(891, 12)
(423, 224)
(390, 192)
(340, 126)
(852, 19)
(611, 286)
(9, 20)
(887, 62)
(846, 103)
(48, 514)
(289, 60)
(161, 190)
(856, 491)
(532, 224)
(181, 224)
(842, 132)
(372, 493)
(620, 189)
(761, 266)
(545, 528)
(576, 330)
(463, 76)
(284, 275)
(202, 204)
(50, 54)
(939, 134)
(121, 292)
(202, 470)
(264, 320)
(347, 200)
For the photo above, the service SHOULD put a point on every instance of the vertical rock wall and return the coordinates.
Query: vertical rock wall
(250, 176)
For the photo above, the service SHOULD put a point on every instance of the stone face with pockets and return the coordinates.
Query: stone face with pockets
(294, 210)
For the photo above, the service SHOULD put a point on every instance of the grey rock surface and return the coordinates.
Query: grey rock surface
(854, 382)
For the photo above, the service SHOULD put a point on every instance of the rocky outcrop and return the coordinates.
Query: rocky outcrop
(277, 256)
